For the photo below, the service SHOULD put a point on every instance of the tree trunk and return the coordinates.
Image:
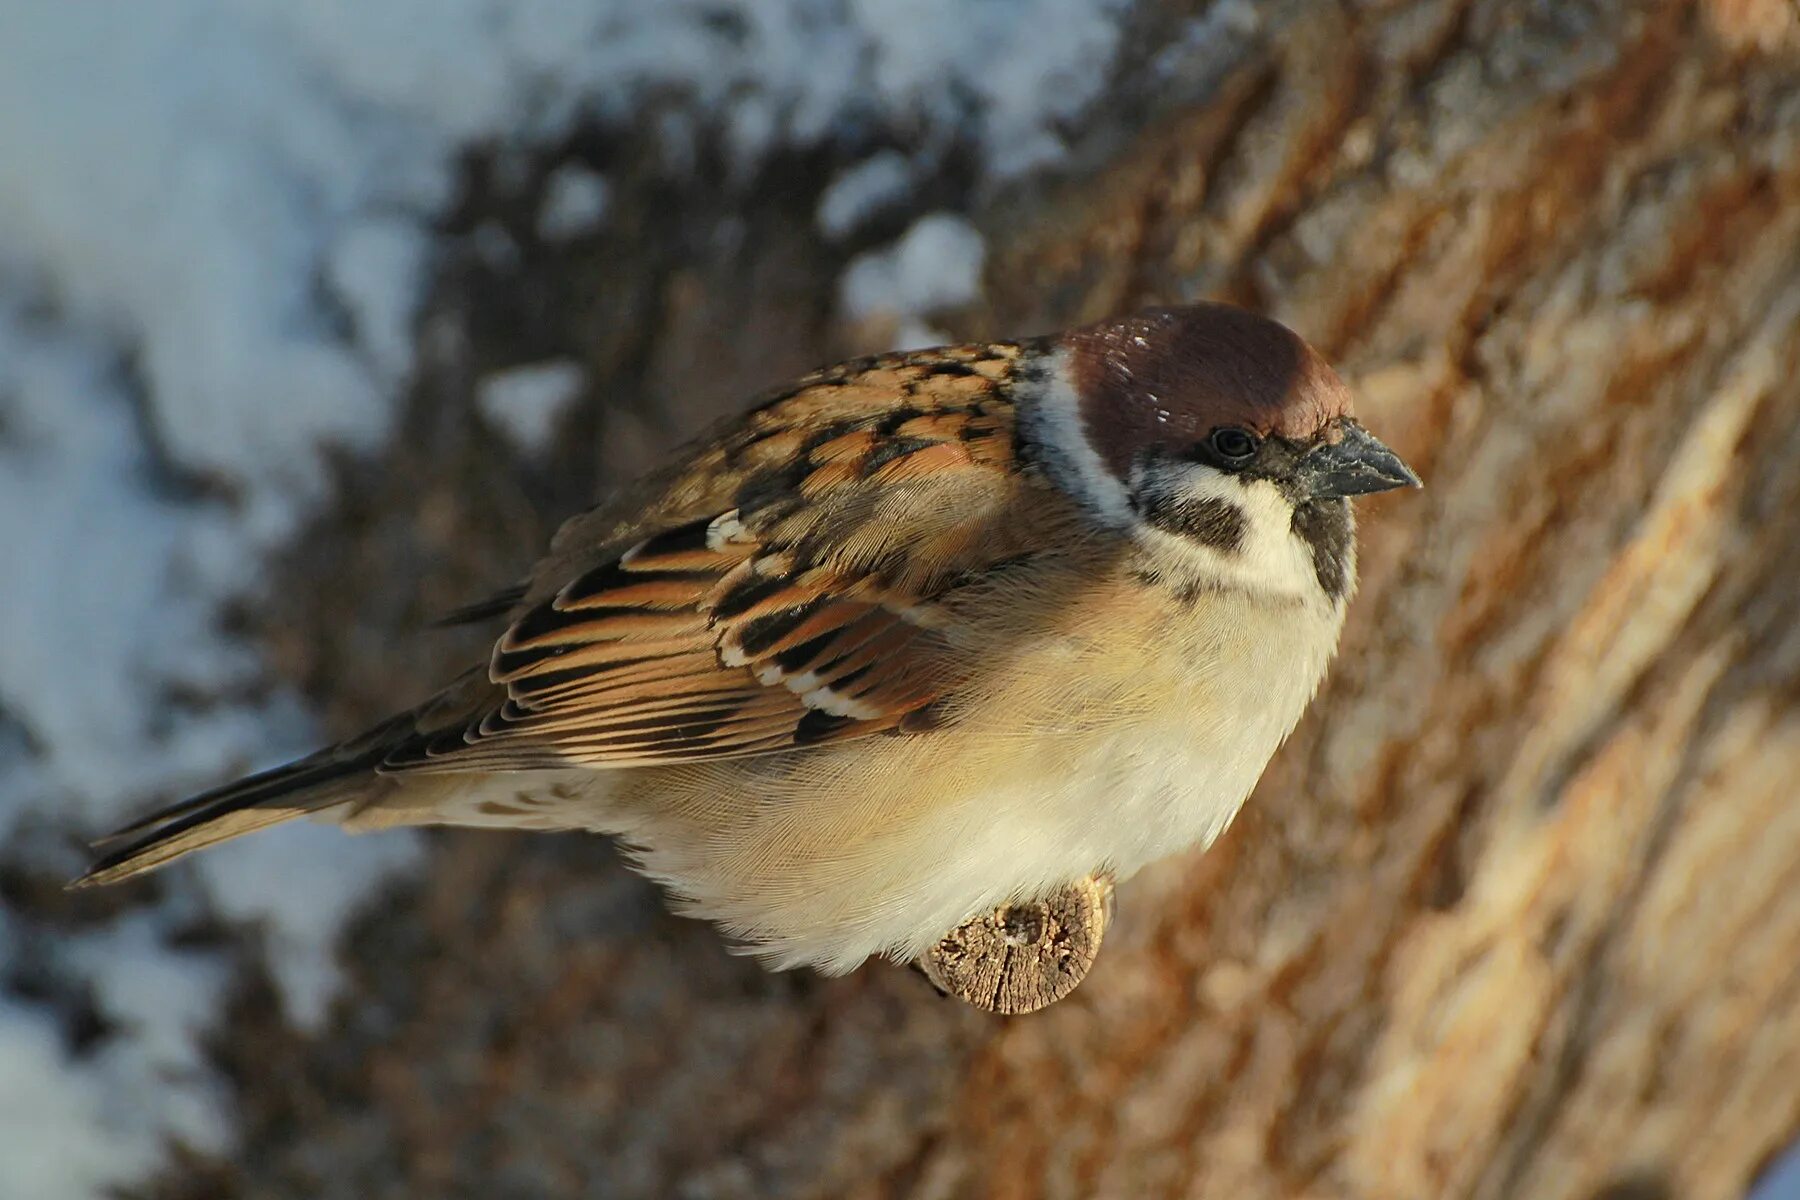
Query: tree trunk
(1517, 910)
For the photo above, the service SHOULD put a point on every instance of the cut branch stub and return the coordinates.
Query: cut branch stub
(1023, 957)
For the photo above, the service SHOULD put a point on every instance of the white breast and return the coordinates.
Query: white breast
(1095, 768)
(1157, 782)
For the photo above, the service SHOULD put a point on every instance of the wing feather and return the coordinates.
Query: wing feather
(802, 603)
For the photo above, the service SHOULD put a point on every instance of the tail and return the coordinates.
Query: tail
(383, 777)
(237, 808)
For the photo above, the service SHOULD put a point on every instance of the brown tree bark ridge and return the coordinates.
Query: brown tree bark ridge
(1517, 911)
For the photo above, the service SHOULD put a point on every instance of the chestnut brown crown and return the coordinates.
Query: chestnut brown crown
(1165, 378)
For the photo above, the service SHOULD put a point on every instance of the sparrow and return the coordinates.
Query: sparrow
(914, 637)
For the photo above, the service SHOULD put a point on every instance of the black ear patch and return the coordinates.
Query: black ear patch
(1206, 519)
(1325, 527)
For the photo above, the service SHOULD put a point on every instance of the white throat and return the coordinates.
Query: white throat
(1267, 557)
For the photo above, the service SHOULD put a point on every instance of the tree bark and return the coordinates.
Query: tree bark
(1515, 913)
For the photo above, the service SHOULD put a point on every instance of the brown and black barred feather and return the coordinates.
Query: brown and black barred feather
(792, 617)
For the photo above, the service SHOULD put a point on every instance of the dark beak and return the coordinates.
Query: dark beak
(1354, 465)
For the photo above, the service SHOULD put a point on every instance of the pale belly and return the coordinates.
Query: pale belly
(1090, 755)
(881, 846)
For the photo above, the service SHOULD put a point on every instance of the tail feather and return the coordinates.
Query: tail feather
(237, 808)
(246, 790)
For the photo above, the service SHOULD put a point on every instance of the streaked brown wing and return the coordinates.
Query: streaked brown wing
(804, 604)
(793, 579)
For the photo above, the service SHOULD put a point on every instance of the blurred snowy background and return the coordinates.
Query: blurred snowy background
(220, 224)
(217, 221)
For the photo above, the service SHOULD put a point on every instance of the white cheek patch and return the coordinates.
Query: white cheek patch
(1269, 557)
(1051, 414)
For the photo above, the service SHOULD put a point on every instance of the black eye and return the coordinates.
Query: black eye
(1236, 446)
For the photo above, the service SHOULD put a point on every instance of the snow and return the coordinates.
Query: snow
(110, 597)
(1208, 44)
(108, 587)
(1782, 1182)
(50, 1132)
(879, 182)
(217, 218)
(575, 202)
(526, 402)
(164, 999)
(935, 265)
(70, 1132)
(371, 271)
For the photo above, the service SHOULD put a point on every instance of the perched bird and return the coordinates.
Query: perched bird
(916, 636)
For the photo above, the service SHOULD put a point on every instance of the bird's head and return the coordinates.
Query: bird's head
(1217, 437)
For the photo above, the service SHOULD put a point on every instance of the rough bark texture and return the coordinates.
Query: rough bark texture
(1516, 913)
